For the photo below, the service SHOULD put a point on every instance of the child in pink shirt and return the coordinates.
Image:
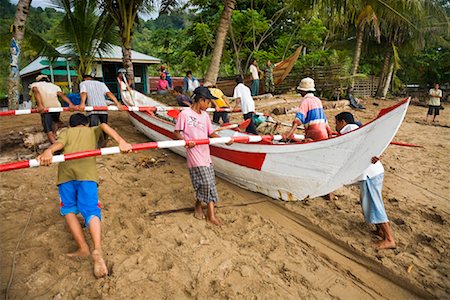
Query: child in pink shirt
(194, 123)
(163, 85)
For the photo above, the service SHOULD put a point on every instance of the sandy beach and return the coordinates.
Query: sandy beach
(266, 249)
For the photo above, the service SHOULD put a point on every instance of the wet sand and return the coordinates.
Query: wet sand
(154, 248)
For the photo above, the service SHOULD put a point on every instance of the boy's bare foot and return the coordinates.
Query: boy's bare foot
(198, 211)
(79, 253)
(384, 244)
(214, 220)
(100, 269)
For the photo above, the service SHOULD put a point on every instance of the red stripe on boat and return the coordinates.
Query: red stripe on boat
(245, 159)
(163, 131)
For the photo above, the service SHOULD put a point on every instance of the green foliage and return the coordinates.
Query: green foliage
(183, 37)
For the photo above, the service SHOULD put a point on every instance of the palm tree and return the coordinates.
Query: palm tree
(429, 20)
(85, 32)
(18, 31)
(221, 35)
(125, 14)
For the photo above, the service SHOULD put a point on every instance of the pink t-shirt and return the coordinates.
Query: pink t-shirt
(163, 84)
(195, 126)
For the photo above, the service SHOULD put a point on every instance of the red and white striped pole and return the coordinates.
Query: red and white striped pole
(144, 146)
(106, 108)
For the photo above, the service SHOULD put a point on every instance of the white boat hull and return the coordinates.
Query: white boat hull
(289, 171)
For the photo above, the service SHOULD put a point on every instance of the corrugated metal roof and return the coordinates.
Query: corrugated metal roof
(113, 55)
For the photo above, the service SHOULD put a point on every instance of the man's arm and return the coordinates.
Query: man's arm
(123, 145)
(83, 96)
(114, 99)
(46, 157)
(238, 103)
(38, 98)
(225, 99)
(67, 100)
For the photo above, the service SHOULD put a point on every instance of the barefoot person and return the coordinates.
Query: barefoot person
(434, 104)
(46, 95)
(194, 123)
(77, 184)
(371, 184)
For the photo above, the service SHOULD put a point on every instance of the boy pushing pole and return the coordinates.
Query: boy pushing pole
(78, 184)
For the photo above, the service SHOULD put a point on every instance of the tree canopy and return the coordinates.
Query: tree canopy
(183, 37)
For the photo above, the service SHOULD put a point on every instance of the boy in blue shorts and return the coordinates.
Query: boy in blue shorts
(77, 184)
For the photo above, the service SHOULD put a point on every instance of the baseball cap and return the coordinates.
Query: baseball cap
(203, 92)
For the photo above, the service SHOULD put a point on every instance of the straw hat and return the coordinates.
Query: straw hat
(307, 85)
(41, 76)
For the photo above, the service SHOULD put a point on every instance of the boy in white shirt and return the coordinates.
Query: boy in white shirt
(434, 105)
(371, 184)
(244, 98)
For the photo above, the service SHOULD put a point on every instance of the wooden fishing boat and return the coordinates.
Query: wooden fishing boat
(286, 171)
(227, 84)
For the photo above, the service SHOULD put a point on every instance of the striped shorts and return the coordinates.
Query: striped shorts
(204, 183)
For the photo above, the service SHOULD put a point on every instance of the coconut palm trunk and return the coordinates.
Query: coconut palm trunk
(126, 57)
(23, 7)
(357, 56)
(387, 83)
(384, 72)
(221, 35)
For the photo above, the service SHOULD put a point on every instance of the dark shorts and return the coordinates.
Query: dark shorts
(433, 110)
(48, 119)
(97, 119)
(204, 183)
(220, 115)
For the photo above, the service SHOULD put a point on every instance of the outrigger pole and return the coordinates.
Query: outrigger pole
(107, 108)
(144, 146)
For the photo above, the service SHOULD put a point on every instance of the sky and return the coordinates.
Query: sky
(47, 3)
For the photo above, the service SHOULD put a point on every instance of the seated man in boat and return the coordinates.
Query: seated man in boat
(310, 113)
(244, 98)
(124, 84)
(220, 102)
(46, 95)
(371, 184)
(192, 124)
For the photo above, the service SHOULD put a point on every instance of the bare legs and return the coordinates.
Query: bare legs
(385, 232)
(211, 214)
(100, 269)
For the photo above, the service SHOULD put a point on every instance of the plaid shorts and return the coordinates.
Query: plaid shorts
(204, 183)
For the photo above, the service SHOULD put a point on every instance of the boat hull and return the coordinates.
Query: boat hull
(291, 171)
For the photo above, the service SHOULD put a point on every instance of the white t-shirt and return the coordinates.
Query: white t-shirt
(435, 97)
(374, 169)
(247, 103)
(48, 92)
(96, 93)
(254, 72)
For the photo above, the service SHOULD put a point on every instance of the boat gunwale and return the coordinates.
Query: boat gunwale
(381, 113)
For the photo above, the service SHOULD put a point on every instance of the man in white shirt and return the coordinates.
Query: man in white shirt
(93, 93)
(434, 105)
(254, 72)
(244, 98)
(371, 184)
(46, 95)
